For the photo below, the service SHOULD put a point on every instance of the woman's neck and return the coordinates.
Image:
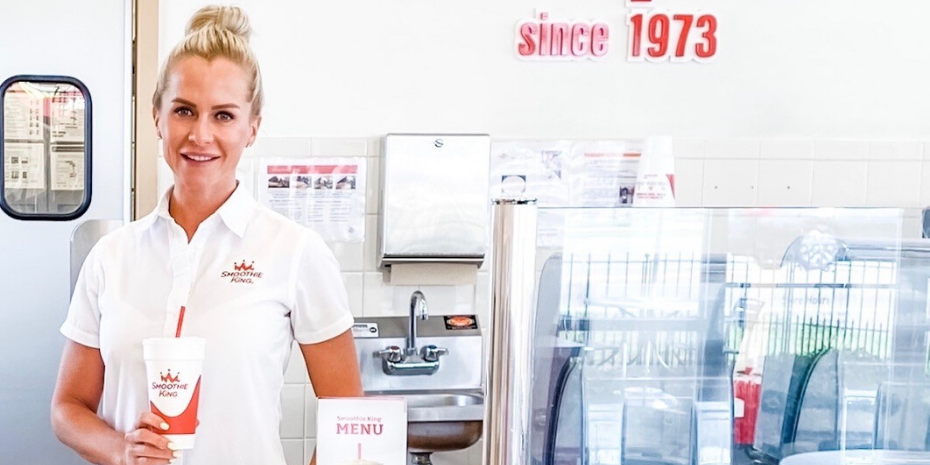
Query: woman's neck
(189, 206)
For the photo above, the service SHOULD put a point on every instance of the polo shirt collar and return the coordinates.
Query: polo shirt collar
(235, 212)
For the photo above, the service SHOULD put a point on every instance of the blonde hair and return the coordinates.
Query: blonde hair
(213, 32)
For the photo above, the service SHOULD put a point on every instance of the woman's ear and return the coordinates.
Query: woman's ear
(157, 118)
(253, 126)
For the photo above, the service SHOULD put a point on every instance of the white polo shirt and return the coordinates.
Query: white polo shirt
(252, 282)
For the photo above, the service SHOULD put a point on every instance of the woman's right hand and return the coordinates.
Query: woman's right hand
(143, 446)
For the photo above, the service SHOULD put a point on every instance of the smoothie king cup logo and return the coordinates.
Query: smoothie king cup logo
(169, 385)
(242, 273)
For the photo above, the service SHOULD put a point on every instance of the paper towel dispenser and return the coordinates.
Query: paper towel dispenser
(434, 198)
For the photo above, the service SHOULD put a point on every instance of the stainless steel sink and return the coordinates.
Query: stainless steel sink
(441, 421)
(400, 357)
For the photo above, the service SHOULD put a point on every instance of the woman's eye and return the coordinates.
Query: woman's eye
(224, 116)
(182, 111)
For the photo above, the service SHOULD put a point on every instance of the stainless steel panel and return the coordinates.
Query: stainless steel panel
(393, 326)
(460, 369)
(83, 239)
(434, 198)
(507, 417)
(425, 406)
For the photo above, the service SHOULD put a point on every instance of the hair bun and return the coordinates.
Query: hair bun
(229, 18)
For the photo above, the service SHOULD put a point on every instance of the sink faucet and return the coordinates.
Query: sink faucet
(417, 302)
(412, 360)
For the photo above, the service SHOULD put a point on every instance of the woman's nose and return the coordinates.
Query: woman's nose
(201, 132)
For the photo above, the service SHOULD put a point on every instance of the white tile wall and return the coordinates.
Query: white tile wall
(373, 198)
(689, 182)
(734, 149)
(371, 242)
(309, 409)
(893, 183)
(785, 183)
(841, 150)
(924, 200)
(292, 419)
(689, 148)
(785, 149)
(894, 150)
(730, 183)
(294, 451)
(351, 255)
(712, 172)
(338, 147)
(839, 183)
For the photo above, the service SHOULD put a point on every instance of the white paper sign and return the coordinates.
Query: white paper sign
(606, 174)
(24, 165)
(534, 169)
(67, 163)
(67, 118)
(538, 170)
(324, 194)
(22, 116)
(361, 431)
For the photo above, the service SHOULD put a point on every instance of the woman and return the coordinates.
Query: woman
(251, 281)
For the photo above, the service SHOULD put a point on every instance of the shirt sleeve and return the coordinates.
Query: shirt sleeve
(321, 304)
(82, 325)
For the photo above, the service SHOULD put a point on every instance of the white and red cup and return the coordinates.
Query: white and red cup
(174, 365)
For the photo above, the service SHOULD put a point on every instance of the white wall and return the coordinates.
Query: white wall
(808, 103)
(785, 68)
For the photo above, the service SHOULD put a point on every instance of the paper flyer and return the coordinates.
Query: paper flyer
(538, 170)
(361, 431)
(22, 117)
(24, 165)
(606, 174)
(561, 174)
(324, 194)
(66, 118)
(67, 162)
(531, 169)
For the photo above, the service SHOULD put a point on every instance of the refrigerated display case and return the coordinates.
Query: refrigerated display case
(729, 336)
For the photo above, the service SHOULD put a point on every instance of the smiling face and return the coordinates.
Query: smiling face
(205, 121)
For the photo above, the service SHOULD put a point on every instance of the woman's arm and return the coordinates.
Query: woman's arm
(74, 406)
(333, 368)
(75, 421)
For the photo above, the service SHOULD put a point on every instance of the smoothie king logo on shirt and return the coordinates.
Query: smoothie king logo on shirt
(242, 273)
(169, 385)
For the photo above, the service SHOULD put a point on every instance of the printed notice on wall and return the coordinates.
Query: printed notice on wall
(362, 431)
(324, 194)
(67, 163)
(24, 165)
(22, 116)
(606, 174)
(534, 170)
(67, 118)
(564, 174)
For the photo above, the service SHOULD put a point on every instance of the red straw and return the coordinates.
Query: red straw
(360, 451)
(180, 322)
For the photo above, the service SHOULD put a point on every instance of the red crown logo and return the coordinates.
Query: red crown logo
(243, 266)
(168, 378)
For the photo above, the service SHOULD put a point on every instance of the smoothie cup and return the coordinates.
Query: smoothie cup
(173, 366)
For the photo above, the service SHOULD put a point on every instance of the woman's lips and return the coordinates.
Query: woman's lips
(198, 158)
